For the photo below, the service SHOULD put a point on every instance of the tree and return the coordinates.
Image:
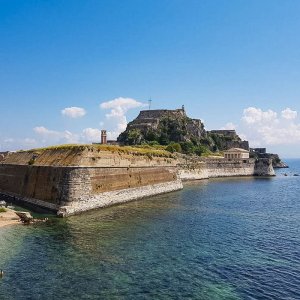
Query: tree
(134, 137)
(187, 147)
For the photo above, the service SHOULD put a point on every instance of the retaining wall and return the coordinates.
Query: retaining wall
(69, 182)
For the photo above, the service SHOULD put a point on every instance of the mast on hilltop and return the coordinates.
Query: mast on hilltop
(149, 103)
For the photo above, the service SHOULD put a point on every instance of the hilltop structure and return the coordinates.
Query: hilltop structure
(165, 126)
(162, 126)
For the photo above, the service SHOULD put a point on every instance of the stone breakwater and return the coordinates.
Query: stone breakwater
(76, 180)
(195, 169)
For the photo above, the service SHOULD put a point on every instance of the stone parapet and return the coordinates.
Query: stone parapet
(70, 182)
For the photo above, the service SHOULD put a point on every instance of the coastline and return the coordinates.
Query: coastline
(8, 218)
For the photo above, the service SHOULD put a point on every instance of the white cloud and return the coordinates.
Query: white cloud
(91, 135)
(17, 144)
(253, 115)
(269, 128)
(117, 115)
(73, 112)
(44, 131)
(289, 114)
(228, 126)
(51, 136)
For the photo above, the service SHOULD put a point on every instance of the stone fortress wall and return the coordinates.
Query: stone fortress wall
(195, 169)
(158, 113)
(72, 181)
(151, 118)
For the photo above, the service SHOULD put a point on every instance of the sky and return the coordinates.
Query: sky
(71, 68)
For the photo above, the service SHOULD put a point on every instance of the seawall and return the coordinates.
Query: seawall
(197, 168)
(70, 181)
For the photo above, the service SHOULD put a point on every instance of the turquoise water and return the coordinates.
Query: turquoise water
(218, 239)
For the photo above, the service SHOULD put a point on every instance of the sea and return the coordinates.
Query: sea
(233, 238)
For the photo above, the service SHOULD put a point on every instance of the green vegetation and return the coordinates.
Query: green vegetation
(134, 137)
(31, 161)
(190, 148)
(170, 128)
(150, 151)
(174, 147)
(173, 133)
(2, 210)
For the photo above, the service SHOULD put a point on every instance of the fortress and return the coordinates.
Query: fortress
(174, 125)
(151, 122)
(72, 179)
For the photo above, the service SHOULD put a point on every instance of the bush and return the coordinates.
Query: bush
(2, 209)
(187, 147)
(164, 139)
(134, 137)
(202, 150)
(31, 161)
(153, 143)
(174, 147)
(151, 136)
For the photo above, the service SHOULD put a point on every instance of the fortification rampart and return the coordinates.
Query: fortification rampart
(194, 169)
(70, 181)
(158, 113)
(227, 132)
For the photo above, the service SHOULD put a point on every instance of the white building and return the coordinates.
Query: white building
(236, 153)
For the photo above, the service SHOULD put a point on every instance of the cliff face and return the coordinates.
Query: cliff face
(165, 126)
(226, 139)
(162, 126)
(276, 161)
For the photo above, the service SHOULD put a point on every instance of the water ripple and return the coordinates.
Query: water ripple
(223, 239)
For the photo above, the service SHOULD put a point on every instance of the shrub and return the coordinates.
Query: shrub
(202, 150)
(134, 137)
(31, 161)
(2, 209)
(174, 147)
(151, 136)
(187, 147)
(153, 143)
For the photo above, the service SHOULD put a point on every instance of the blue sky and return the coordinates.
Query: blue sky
(231, 63)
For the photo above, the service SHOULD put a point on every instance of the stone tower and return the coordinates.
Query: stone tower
(103, 137)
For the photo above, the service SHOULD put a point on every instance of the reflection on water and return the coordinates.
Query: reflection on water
(218, 239)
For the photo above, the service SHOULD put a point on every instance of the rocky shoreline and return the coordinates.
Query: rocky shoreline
(9, 217)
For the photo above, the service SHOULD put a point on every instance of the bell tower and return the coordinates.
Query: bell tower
(103, 137)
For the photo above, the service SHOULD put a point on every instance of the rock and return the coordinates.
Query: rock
(25, 216)
(296, 175)
(164, 126)
(2, 203)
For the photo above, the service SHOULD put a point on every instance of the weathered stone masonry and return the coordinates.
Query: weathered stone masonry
(95, 179)
(70, 183)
